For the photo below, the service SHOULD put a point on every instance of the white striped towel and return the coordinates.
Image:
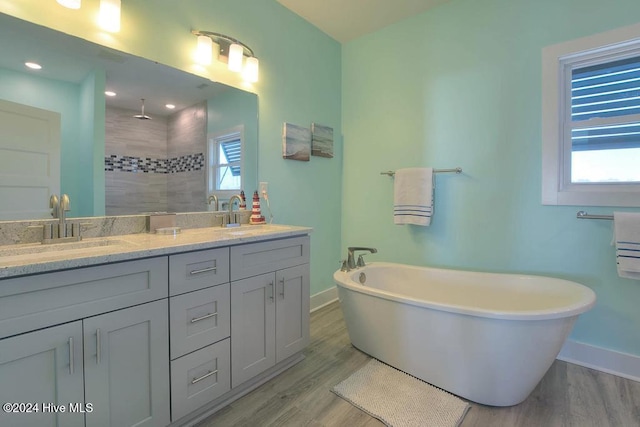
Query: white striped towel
(626, 227)
(413, 196)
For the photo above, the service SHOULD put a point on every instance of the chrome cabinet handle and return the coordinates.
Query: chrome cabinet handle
(207, 375)
(206, 316)
(204, 270)
(71, 356)
(98, 347)
(282, 282)
(271, 296)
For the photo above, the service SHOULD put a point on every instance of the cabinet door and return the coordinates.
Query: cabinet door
(127, 366)
(252, 326)
(43, 367)
(292, 311)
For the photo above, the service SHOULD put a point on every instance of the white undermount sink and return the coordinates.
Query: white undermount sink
(37, 248)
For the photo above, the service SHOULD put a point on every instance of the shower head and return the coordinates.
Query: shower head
(142, 115)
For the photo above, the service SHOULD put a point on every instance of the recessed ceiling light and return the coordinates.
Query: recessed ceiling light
(170, 106)
(33, 65)
(71, 4)
(110, 93)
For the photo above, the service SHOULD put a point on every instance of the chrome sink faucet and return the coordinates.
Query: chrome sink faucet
(351, 262)
(63, 206)
(59, 207)
(53, 204)
(233, 217)
(213, 198)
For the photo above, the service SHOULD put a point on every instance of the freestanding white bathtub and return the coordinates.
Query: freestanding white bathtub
(487, 337)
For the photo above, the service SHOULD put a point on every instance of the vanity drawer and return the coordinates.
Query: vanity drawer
(33, 302)
(198, 319)
(199, 378)
(197, 270)
(258, 258)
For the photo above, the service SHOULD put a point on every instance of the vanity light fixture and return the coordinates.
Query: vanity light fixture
(228, 50)
(109, 15)
(71, 4)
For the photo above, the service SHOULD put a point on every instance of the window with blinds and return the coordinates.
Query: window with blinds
(605, 122)
(591, 120)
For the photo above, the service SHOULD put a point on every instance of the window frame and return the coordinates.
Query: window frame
(213, 140)
(557, 63)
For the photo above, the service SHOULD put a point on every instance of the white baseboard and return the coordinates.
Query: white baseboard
(601, 359)
(323, 298)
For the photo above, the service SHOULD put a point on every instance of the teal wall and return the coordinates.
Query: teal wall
(300, 83)
(460, 85)
(64, 98)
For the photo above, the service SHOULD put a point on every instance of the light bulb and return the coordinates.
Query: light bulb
(250, 71)
(235, 57)
(109, 17)
(204, 50)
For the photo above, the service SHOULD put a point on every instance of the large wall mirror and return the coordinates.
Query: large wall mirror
(148, 148)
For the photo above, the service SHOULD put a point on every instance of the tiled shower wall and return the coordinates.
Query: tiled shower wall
(155, 165)
(187, 136)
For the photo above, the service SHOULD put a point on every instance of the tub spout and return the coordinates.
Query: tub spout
(351, 262)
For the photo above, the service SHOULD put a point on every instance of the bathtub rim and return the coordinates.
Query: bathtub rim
(343, 280)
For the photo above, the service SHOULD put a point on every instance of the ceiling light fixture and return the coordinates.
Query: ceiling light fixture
(109, 15)
(110, 93)
(228, 50)
(70, 4)
(33, 65)
(170, 106)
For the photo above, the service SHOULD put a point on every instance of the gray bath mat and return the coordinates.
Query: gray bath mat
(400, 400)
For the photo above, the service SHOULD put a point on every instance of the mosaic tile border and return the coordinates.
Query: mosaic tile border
(188, 163)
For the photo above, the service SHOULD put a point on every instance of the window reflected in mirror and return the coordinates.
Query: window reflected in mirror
(224, 154)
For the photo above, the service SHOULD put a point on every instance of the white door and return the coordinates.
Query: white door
(29, 160)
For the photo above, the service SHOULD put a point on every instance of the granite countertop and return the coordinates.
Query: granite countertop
(20, 260)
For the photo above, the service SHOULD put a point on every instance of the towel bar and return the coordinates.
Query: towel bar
(584, 215)
(456, 170)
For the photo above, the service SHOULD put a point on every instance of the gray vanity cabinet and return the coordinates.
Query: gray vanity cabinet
(127, 366)
(43, 367)
(98, 336)
(270, 311)
(51, 354)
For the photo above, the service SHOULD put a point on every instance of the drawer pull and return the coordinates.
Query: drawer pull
(207, 375)
(203, 270)
(206, 316)
(71, 356)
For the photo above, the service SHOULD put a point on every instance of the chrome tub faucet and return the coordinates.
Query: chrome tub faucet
(351, 262)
